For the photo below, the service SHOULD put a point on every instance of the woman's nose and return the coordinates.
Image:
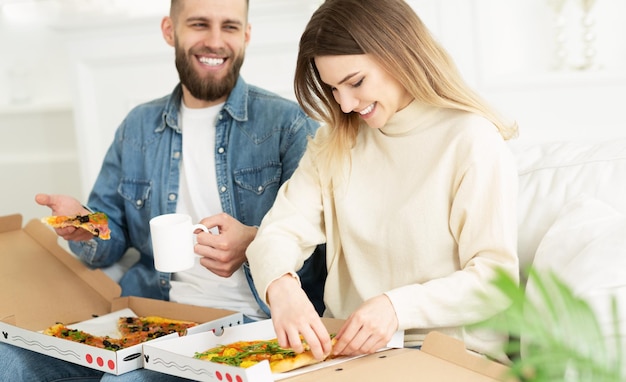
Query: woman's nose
(347, 102)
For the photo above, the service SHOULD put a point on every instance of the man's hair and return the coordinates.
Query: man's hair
(176, 6)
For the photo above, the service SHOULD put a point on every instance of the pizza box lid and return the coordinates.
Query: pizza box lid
(175, 356)
(41, 284)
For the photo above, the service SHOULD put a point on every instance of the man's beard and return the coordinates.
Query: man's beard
(206, 88)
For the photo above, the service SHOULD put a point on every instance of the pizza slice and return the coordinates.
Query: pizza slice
(248, 353)
(132, 330)
(96, 223)
(104, 342)
(152, 325)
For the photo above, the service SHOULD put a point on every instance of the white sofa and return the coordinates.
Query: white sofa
(572, 220)
(553, 176)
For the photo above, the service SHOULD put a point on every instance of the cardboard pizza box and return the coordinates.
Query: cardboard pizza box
(42, 284)
(175, 356)
(441, 358)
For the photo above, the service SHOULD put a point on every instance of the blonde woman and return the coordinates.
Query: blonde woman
(409, 183)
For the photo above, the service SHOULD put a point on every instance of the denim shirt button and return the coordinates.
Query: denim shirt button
(177, 155)
(221, 150)
(260, 188)
(223, 189)
(163, 282)
(172, 197)
(139, 202)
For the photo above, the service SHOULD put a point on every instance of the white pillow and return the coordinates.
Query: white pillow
(554, 173)
(586, 248)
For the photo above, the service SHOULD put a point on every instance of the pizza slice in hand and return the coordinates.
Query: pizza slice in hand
(96, 223)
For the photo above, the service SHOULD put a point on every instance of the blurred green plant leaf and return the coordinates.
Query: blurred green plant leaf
(555, 335)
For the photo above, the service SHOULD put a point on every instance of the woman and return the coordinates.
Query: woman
(409, 183)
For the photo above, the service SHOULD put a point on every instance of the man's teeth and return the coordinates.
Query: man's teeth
(211, 61)
(367, 110)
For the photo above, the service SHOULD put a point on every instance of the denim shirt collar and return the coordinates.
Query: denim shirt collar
(236, 105)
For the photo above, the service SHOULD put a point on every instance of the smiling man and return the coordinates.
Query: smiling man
(217, 149)
(210, 42)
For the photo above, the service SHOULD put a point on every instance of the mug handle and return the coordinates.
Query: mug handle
(199, 226)
(193, 231)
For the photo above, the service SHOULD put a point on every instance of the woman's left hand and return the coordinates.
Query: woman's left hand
(368, 329)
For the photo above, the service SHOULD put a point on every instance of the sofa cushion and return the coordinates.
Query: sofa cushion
(586, 249)
(552, 174)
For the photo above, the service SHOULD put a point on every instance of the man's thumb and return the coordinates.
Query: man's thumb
(43, 199)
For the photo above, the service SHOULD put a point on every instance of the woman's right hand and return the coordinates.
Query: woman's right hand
(294, 315)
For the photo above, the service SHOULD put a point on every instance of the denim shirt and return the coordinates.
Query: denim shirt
(260, 138)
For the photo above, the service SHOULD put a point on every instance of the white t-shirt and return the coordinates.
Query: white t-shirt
(198, 198)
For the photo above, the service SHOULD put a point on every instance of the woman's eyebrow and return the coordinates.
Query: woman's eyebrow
(346, 78)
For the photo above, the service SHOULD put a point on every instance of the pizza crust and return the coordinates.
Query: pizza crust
(292, 363)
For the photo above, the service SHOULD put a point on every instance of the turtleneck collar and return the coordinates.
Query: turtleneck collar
(415, 117)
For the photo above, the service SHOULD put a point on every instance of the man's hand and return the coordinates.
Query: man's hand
(223, 254)
(294, 315)
(63, 205)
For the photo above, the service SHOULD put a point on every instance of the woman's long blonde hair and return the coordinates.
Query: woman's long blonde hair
(392, 33)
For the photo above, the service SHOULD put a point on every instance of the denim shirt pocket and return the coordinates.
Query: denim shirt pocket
(135, 191)
(256, 190)
(258, 179)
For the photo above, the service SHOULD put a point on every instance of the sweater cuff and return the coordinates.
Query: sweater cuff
(402, 315)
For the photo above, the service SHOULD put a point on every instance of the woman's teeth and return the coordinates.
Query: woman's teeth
(367, 110)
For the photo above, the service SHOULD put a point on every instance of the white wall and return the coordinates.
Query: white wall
(37, 149)
(84, 74)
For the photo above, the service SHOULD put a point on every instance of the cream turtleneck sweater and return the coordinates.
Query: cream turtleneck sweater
(424, 212)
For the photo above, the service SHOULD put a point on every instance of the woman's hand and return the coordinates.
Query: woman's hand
(368, 329)
(294, 315)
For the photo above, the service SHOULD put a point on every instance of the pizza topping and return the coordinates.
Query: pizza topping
(61, 331)
(249, 352)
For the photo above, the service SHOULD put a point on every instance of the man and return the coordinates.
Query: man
(215, 147)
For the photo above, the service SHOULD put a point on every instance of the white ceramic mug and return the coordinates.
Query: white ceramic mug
(173, 241)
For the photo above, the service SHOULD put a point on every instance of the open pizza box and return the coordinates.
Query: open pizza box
(441, 358)
(42, 284)
(176, 356)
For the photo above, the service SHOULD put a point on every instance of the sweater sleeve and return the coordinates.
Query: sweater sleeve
(291, 229)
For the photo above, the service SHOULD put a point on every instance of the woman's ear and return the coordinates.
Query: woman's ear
(167, 28)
